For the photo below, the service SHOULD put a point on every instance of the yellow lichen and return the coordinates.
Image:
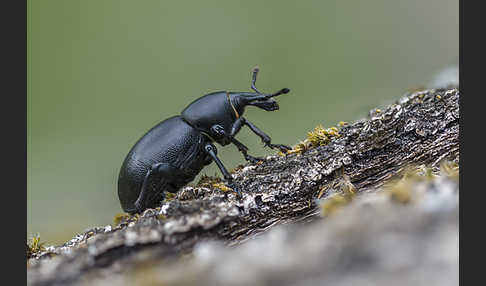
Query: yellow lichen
(222, 187)
(322, 191)
(418, 172)
(34, 246)
(450, 169)
(207, 181)
(336, 201)
(401, 191)
(318, 137)
(118, 218)
(212, 183)
(162, 217)
(237, 168)
(300, 147)
(169, 196)
(333, 203)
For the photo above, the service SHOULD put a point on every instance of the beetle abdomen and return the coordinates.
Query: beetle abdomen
(172, 141)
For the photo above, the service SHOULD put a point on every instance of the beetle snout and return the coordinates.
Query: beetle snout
(267, 104)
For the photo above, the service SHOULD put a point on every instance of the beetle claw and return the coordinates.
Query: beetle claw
(252, 159)
(233, 186)
(281, 147)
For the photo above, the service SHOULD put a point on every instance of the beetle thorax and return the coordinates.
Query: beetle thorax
(215, 108)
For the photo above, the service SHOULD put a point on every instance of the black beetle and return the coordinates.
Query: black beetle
(172, 153)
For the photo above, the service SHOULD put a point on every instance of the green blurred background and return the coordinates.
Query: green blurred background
(101, 73)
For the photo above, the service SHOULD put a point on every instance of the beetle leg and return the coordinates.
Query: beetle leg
(237, 126)
(211, 150)
(265, 138)
(243, 149)
(207, 160)
(159, 168)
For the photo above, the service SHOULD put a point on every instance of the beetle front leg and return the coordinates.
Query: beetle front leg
(237, 126)
(212, 151)
(243, 149)
(265, 138)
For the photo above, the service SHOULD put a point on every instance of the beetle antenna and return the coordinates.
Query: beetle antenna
(253, 81)
(254, 78)
(282, 91)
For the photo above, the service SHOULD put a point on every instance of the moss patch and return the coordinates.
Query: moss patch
(35, 246)
(318, 137)
(401, 189)
(347, 193)
(212, 182)
(450, 169)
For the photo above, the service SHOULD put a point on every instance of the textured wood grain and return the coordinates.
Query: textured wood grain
(420, 128)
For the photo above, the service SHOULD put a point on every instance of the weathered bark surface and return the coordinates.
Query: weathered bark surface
(373, 240)
(420, 128)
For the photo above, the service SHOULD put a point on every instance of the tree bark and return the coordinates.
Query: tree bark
(420, 128)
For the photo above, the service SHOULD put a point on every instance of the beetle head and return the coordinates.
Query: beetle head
(266, 104)
(265, 101)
